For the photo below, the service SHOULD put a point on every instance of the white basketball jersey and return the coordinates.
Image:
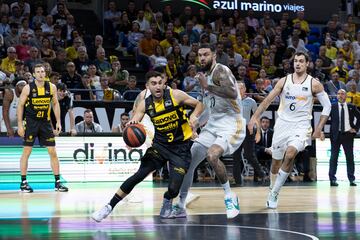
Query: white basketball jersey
(12, 113)
(219, 106)
(296, 100)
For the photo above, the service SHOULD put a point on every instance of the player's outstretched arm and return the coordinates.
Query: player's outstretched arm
(139, 113)
(318, 90)
(225, 80)
(265, 104)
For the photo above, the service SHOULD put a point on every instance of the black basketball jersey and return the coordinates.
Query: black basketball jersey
(169, 119)
(37, 105)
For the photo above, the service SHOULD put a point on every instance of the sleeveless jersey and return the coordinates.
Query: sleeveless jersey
(219, 107)
(12, 113)
(38, 103)
(296, 100)
(169, 119)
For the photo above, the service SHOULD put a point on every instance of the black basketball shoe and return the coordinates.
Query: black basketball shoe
(25, 187)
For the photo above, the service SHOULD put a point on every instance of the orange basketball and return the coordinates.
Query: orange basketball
(134, 135)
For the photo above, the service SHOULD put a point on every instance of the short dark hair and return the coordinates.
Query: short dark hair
(61, 86)
(124, 114)
(207, 45)
(307, 58)
(88, 111)
(151, 74)
(264, 117)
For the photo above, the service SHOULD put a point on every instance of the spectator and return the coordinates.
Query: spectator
(185, 45)
(131, 11)
(111, 20)
(54, 78)
(72, 51)
(12, 39)
(23, 48)
(317, 71)
(341, 70)
(327, 62)
(59, 63)
(25, 28)
(109, 94)
(146, 49)
(54, 10)
(88, 125)
(47, 54)
(356, 46)
(168, 41)
(85, 85)
(353, 96)
(19, 73)
(142, 22)
(263, 147)
(82, 62)
(347, 52)
(131, 91)
(8, 63)
(71, 78)
(60, 16)
(158, 59)
(172, 72)
(193, 34)
(15, 16)
(303, 23)
(190, 83)
(33, 59)
(122, 31)
(260, 92)
(134, 38)
(124, 119)
(221, 56)
(57, 41)
(101, 64)
(252, 21)
(95, 81)
(243, 77)
(66, 107)
(24, 8)
(38, 19)
(331, 51)
(119, 77)
(36, 41)
(4, 25)
(4, 8)
(48, 26)
(69, 28)
(92, 49)
(334, 85)
(343, 129)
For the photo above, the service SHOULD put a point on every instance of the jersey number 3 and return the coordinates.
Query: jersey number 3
(170, 137)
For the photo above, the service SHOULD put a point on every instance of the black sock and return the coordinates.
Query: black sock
(116, 198)
(57, 178)
(23, 178)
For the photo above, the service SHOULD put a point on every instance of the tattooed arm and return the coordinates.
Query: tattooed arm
(224, 80)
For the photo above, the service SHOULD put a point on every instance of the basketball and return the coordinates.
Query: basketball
(134, 135)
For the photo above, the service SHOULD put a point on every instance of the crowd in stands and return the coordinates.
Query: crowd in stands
(258, 50)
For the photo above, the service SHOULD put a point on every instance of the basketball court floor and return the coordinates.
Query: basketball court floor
(313, 211)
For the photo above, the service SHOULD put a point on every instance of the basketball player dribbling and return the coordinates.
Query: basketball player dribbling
(171, 143)
(224, 131)
(292, 128)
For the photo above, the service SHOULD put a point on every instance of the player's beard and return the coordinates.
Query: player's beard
(207, 66)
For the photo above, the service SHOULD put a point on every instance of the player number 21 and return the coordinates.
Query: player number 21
(40, 114)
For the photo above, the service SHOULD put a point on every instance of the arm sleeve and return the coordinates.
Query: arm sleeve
(325, 102)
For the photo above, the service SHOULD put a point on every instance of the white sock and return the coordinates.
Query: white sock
(181, 202)
(280, 180)
(272, 179)
(227, 189)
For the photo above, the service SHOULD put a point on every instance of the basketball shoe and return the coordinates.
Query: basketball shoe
(272, 200)
(166, 209)
(178, 212)
(232, 205)
(59, 187)
(25, 187)
(190, 198)
(101, 214)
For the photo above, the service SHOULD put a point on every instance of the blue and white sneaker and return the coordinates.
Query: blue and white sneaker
(232, 205)
(178, 212)
(272, 200)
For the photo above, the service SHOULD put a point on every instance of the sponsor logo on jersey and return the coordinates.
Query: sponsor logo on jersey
(305, 89)
(40, 101)
(165, 118)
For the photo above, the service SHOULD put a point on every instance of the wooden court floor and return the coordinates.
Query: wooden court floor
(315, 211)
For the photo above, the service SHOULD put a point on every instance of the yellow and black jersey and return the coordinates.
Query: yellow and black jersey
(169, 119)
(38, 103)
